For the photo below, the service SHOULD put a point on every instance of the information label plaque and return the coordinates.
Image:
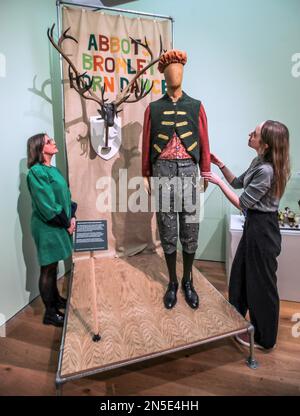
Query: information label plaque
(90, 235)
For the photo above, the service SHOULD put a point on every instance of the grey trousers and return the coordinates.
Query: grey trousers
(175, 184)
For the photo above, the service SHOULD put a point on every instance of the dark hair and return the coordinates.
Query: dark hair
(276, 136)
(35, 146)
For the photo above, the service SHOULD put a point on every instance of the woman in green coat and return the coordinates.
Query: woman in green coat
(52, 221)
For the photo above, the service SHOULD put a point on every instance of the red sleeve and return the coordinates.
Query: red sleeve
(146, 164)
(204, 142)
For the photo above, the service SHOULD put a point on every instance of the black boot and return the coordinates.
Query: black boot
(170, 297)
(190, 293)
(60, 303)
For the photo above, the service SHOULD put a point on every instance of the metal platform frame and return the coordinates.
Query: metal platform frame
(251, 362)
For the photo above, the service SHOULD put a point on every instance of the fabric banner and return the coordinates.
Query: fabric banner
(105, 51)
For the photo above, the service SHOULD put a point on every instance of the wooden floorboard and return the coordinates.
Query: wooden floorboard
(29, 354)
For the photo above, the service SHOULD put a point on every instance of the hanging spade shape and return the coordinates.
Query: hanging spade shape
(105, 141)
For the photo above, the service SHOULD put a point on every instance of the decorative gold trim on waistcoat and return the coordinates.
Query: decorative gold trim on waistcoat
(167, 123)
(181, 113)
(182, 123)
(187, 134)
(169, 112)
(192, 146)
(157, 148)
(163, 136)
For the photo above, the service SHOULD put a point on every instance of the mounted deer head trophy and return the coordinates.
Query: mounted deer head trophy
(83, 84)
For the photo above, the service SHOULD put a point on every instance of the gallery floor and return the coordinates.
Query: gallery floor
(29, 359)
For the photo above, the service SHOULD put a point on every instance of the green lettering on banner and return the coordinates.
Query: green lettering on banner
(87, 62)
(130, 70)
(123, 83)
(97, 83)
(92, 43)
(127, 43)
(146, 84)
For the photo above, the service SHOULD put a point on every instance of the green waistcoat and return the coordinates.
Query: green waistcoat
(181, 117)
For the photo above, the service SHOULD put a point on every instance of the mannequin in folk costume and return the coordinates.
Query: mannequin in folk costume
(175, 142)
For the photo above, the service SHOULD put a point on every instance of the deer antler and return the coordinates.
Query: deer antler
(78, 81)
(140, 92)
(133, 84)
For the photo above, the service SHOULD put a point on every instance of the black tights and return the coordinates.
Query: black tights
(48, 286)
(188, 259)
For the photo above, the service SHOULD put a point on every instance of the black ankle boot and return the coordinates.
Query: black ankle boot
(61, 303)
(53, 317)
(170, 297)
(190, 293)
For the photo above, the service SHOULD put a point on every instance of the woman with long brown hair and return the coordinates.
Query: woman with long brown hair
(253, 282)
(52, 221)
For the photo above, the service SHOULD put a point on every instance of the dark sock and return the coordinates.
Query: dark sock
(188, 259)
(171, 263)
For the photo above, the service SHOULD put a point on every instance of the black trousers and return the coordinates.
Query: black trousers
(253, 281)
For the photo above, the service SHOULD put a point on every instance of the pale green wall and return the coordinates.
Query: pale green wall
(239, 65)
(25, 46)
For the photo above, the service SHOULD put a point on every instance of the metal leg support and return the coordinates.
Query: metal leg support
(58, 387)
(251, 361)
(96, 337)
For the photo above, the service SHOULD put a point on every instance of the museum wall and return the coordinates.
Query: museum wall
(26, 104)
(239, 64)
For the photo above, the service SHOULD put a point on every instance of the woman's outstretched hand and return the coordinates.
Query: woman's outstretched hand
(216, 161)
(212, 177)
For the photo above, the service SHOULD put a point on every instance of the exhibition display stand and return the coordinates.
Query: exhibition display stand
(133, 322)
(115, 314)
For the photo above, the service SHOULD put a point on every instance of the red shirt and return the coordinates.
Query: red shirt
(173, 149)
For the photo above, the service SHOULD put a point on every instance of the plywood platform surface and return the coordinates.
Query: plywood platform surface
(133, 322)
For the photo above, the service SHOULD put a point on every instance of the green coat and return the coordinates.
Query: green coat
(50, 195)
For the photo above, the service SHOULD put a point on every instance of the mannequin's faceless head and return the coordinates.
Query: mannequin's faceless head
(171, 64)
(173, 75)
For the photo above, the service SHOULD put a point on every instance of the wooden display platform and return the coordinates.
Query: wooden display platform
(133, 323)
